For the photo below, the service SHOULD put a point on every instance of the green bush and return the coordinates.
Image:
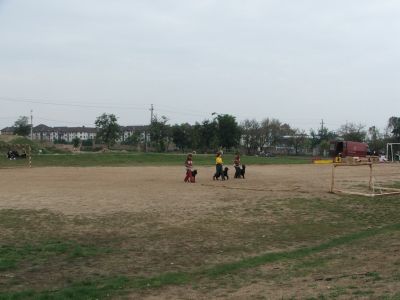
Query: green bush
(91, 149)
(61, 141)
(87, 143)
(4, 146)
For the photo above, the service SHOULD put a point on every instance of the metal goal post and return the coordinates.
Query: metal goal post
(389, 151)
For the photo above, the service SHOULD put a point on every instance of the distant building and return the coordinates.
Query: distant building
(51, 134)
(127, 131)
(7, 131)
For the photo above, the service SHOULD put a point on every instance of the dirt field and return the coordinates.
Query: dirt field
(159, 201)
(161, 189)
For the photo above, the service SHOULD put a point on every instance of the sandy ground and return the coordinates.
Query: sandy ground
(104, 190)
(160, 191)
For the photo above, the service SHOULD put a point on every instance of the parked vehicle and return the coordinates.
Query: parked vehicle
(348, 148)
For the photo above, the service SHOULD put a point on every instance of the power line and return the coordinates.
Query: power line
(9, 118)
(97, 106)
(61, 121)
(183, 113)
(70, 104)
(162, 108)
(105, 106)
(171, 109)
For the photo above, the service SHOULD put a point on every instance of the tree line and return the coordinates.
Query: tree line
(254, 137)
(223, 131)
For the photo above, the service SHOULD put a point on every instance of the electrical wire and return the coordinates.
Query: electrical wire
(9, 118)
(70, 104)
(63, 122)
(160, 108)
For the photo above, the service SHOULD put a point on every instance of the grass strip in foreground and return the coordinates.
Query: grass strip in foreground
(104, 287)
(10, 256)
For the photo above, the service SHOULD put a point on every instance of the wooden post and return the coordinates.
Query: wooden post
(387, 151)
(370, 176)
(391, 151)
(333, 178)
(30, 156)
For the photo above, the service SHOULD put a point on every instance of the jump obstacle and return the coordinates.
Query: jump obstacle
(374, 190)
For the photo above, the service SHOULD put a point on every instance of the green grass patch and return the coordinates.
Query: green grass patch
(361, 293)
(99, 289)
(337, 291)
(142, 159)
(296, 254)
(373, 275)
(104, 287)
(10, 256)
(314, 263)
(395, 297)
(18, 219)
(395, 185)
(38, 241)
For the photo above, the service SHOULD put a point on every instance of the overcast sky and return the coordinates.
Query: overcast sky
(298, 61)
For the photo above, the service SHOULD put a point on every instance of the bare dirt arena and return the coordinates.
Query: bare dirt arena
(165, 225)
(104, 190)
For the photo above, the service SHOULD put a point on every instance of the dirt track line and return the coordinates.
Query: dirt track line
(330, 278)
(255, 189)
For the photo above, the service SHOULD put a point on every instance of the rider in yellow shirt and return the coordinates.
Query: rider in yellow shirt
(218, 167)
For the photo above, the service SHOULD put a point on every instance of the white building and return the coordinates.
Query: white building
(62, 133)
(51, 134)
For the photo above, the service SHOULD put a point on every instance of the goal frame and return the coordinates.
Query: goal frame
(389, 146)
(383, 191)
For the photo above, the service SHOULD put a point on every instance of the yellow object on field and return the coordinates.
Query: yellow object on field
(322, 161)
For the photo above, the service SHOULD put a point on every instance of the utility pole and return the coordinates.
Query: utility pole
(151, 114)
(31, 124)
(147, 131)
(322, 135)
